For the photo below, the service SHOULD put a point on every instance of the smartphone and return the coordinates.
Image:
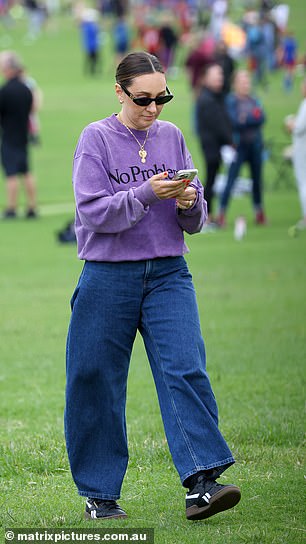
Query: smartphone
(187, 175)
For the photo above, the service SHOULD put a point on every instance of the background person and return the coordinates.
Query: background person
(214, 127)
(37, 15)
(289, 55)
(297, 126)
(16, 102)
(121, 36)
(257, 51)
(247, 118)
(168, 42)
(224, 59)
(130, 221)
(270, 32)
(200, 55)
(91, 42)
(218, 15)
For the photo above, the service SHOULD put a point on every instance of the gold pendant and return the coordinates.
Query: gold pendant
(142, 154)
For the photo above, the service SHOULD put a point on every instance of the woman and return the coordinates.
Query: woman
(130, 218)
(247, 118)
(214, 128)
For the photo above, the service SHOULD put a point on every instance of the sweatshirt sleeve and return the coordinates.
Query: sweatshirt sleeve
(99, 207)
(193, 219)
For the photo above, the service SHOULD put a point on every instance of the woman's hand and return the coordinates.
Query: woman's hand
(165, 188)
(187, 198)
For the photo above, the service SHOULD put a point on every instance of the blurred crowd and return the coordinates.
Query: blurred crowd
(261, 34)
(193, 35)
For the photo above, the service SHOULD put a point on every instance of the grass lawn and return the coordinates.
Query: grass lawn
(251, 296)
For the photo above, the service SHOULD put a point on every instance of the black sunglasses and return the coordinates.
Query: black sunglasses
(146, 101)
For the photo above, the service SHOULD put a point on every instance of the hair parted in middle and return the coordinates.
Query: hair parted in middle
(136, 64)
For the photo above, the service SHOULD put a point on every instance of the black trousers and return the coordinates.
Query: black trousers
(212, 167)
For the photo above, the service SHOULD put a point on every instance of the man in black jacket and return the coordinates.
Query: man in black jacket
(213, 124)
(16, 102)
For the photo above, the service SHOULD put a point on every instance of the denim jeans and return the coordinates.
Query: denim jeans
(112, 301)
(251, 153)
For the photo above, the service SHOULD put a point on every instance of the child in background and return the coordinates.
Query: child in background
(289, 49)
(90, 34)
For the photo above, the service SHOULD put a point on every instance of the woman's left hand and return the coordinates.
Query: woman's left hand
(187, 198)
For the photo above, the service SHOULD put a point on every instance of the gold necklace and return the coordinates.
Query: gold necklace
(142, 152)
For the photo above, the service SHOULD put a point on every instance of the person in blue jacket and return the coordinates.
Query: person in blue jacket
(247, 118)
(90, 35)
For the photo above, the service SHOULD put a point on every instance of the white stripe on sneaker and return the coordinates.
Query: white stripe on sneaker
(195, 496)
(93, 514)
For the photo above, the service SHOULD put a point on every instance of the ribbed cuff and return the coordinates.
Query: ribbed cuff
(145, 194)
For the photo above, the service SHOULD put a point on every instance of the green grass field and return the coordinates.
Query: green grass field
(251, 296)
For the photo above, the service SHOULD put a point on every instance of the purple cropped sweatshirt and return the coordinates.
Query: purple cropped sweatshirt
(118, 216)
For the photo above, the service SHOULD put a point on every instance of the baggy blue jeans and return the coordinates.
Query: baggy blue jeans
(111, 302)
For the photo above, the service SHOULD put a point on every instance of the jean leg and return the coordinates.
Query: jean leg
(102, 329)
(171, 331)
(231, 178)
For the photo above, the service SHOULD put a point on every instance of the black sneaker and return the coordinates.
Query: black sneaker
(31, 214)
(208, 498)
(9, 214)
(100, 509)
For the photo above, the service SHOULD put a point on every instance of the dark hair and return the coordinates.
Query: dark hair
(137, 64)
(205, 69)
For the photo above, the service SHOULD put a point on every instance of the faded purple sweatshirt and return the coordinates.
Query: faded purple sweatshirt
(118, 216)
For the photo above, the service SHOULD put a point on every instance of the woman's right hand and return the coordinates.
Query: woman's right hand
(165, 188)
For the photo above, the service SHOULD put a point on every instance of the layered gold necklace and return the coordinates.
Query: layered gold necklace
(142, 152)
